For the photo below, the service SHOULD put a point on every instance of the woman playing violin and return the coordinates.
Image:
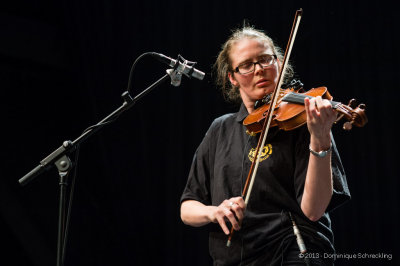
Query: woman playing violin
(300, 176)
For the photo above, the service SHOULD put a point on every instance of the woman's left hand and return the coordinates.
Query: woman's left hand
(320, 118)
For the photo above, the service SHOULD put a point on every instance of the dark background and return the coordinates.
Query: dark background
(64, 65)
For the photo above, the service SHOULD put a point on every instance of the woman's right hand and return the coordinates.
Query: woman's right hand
(230, 210)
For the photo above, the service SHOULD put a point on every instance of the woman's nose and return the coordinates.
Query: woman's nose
(258, 68)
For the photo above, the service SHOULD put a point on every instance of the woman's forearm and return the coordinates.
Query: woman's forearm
(318, 186)
(195, 213)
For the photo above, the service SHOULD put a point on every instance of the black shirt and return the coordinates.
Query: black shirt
(219, 169)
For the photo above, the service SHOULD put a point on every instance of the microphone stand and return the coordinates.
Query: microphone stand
(60, 158)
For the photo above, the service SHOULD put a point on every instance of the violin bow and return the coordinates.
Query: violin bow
(263, 135)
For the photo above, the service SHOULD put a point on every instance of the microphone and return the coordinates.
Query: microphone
(186, 67)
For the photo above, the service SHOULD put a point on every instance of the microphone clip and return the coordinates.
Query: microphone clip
(181, 66)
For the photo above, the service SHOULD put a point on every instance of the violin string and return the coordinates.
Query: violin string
(299, 98)
(343, 110)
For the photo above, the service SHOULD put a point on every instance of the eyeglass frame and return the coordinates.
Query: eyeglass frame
(236, 69)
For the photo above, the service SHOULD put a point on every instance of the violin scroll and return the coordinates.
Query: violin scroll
(353, 113)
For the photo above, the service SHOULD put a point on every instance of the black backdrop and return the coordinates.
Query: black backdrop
(64, 65)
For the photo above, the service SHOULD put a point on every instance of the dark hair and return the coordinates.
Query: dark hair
(223, 64)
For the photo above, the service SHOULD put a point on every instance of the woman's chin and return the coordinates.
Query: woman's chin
(262, 92)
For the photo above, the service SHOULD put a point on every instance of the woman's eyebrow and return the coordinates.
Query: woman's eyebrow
(245, 61)
(251, 60)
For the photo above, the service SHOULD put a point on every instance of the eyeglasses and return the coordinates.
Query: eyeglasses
(249, 67)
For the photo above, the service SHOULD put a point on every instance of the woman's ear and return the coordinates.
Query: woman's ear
(232, 79)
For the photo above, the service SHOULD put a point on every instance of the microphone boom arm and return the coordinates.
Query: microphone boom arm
(60, 159)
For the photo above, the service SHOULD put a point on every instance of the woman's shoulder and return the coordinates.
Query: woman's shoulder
(224, 121)
(226, 118)
(230, 119)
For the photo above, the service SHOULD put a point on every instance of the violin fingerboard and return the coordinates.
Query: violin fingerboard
(298, 98)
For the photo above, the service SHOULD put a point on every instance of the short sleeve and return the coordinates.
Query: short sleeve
(198, 183)
(341, 192)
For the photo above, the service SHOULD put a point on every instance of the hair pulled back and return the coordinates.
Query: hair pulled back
(223, 64)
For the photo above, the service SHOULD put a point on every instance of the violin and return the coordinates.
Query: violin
(289, 112)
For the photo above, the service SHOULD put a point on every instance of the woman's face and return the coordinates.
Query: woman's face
(262, 81)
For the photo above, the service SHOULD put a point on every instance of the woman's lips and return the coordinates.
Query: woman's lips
(263, 83)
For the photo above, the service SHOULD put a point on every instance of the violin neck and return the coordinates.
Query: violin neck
(298, 98)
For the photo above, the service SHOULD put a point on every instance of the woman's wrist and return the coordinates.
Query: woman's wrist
(211, 214)
(321, 143)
